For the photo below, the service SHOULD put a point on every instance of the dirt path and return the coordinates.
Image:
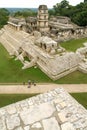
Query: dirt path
(40, 88)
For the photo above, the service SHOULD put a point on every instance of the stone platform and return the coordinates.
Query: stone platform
(54, 110)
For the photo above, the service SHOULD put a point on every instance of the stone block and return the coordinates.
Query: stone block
(51, 124)
(62, 117)
(67, 126)
(37, 113)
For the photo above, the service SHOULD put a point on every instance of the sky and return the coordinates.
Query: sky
(33, 3)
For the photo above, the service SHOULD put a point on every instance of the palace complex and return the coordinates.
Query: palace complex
(38, 39)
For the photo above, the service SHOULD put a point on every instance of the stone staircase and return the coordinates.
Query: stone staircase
(7, 45)
(12, 39)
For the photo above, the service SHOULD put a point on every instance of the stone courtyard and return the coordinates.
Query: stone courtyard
(53, 110)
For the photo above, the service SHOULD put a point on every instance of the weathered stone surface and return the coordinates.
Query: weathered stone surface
(12, 122)
(37, 125)
(62, 117)
(63, 104)
(2, 112)
(51, 124)
(54, 110)
(27, 128)
(67, 126)
(38, 113)
(2, 124)
(19, 128)
(11, 109)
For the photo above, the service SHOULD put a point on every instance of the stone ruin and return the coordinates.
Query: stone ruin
(60, 28)
(42, 51)
(53, 110)
(56, 109)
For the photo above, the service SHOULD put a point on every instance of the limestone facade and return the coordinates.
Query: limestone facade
(53, 110)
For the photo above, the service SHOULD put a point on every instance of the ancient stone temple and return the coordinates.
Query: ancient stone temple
(42, 18)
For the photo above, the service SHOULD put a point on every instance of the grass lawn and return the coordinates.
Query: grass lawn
(11, 70)
(73, 45)
(73, 78)
(81, 98)
(12, 98)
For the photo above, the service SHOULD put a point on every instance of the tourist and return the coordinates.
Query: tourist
(29, 83)
(33, 83)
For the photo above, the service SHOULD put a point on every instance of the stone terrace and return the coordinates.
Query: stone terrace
(54, 110)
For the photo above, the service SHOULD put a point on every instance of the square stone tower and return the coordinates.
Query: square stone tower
(42, 18)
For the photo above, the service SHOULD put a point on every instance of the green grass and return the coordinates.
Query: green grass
(73, 78)
(12, 98)
(81, 98)
(11, 70)
(73, 45)
(6, 99)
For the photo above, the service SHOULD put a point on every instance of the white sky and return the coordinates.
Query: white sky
(33, 3)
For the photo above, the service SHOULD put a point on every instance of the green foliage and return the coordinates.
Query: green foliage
(78, 13)
(12, 98)
(51, 12)
(25, 13)
(64, 4)
(85, 0)
(81, 98)
(62, 8)
(3, 17)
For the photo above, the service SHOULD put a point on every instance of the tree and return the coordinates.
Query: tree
(64, 4)
(80, 16)
(4, 15)
(85, 1)
(25, 13)
(61, 7)
(51, 12)
(78, 13)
